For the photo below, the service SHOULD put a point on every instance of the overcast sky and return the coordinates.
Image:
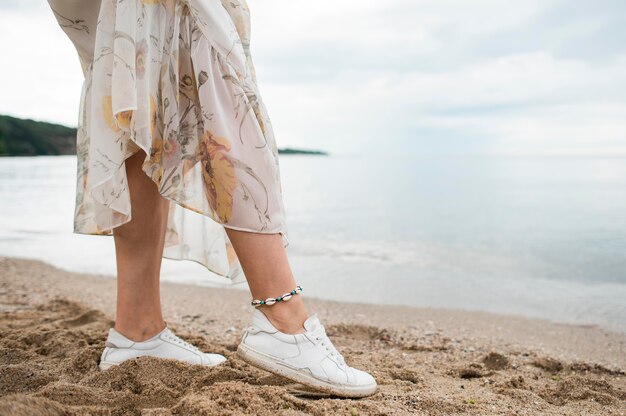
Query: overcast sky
(390, 76)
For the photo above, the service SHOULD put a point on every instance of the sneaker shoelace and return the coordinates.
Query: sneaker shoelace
(172, 337)
(320, 335)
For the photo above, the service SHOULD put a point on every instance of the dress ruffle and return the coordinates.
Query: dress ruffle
(175, 78)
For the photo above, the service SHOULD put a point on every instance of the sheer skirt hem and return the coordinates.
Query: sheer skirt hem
(164, 80)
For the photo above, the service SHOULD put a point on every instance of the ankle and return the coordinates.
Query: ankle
(287, 317)
(140, 331)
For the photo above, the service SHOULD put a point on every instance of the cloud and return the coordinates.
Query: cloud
(26, 6)
(492, 76)
(40, 75)
(395, 76)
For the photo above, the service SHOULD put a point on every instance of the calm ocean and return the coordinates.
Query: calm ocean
(534, 236)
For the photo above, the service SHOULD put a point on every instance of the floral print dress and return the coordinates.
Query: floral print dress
(176, 79)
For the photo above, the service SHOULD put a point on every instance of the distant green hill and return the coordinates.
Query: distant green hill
(289, 151)
(26, 137)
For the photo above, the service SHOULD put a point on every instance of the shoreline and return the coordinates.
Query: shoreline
(219, 283)
(427, 360)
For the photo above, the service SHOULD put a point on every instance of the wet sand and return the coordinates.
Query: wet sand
(53, 324)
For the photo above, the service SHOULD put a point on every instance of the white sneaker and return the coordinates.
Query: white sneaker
(165, 344)
(309, 358)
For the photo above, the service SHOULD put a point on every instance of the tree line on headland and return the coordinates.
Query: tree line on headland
(26, 137)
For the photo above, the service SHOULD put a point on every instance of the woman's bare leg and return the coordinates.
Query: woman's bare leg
(264, 262)
(139, 250)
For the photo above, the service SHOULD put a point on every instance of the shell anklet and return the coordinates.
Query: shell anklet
(283, 298)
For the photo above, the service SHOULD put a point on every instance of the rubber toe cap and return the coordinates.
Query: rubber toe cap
(363, 378)
(213, 359)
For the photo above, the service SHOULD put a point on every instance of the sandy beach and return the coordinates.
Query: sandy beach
(426, 361)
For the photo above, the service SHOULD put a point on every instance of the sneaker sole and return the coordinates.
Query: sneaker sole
(104, 365)
(268, 363)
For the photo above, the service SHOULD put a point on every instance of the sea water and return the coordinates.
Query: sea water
(534, 236)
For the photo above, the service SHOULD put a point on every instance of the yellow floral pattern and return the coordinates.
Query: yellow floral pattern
(220, 179)
(175, 79)
(119, 122)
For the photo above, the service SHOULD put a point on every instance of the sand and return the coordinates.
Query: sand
(53, 324)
